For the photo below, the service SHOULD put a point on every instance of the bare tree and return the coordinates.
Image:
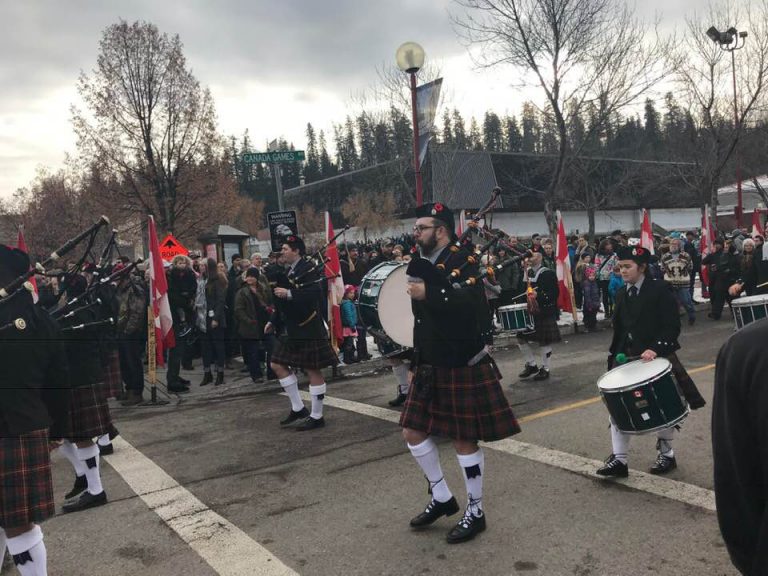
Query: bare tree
(703, 72)
(147, 119)
(370, 213)
(580, 53)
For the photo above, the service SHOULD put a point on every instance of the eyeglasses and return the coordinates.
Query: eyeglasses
(419, 229)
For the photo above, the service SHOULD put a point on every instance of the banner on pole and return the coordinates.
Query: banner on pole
(427, 99)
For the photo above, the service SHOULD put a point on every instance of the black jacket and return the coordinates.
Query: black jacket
(34, 382)
(83, 349)
(216, 301)
(547, 291)
(723, 268)
(648, 321)
(740, 447)
(182, 287)
(453, 324)
(301, 317)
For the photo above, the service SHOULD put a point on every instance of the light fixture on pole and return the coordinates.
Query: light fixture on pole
(732, 40)
(410, 59)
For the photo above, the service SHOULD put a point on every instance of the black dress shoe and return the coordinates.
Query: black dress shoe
(295, 416)
(399, 401)
(311, 424)
(113, 432)
(529, 371)
(81, 484)
(613, 468)
(219, 379)
(434, 511)
(106, 450)
(207, 379)
(84, 501)
(543, 374)
(467, 528)
(663, 464)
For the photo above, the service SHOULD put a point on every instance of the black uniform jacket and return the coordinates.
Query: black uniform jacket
(82, 347)
(648, 321)
(740, 447)
(547, 290)
(301, 317)
(453, 324)
(34, 382)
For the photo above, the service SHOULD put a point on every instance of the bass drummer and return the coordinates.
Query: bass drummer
(646, 324)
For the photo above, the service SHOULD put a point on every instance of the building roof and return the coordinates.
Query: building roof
(227, 230)
(727, 196)
(462, 178)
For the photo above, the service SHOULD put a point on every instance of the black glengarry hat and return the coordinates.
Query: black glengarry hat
(637, 253)
(440, 212)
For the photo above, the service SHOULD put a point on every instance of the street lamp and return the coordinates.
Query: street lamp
(410, 59)
(732, 40)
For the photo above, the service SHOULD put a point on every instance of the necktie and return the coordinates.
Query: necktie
(633, 291)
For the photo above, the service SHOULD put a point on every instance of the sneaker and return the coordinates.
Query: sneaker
(434, 511)
(295, 417)
(613, 468)
(467, 528)
(530, 370)
(543, 374)
(84, 501)
(663, 464)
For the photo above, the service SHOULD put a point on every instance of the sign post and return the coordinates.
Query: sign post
(275, 158)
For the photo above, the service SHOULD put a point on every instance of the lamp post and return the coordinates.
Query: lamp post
(410, 59)
(732, 40)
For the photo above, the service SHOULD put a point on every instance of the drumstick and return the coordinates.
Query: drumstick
(622, 358)
(762, 285)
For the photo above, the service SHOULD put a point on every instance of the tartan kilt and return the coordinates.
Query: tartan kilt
(113, 383)
(88, 413)
(26, 486)
(312, 354)
(465, 403)
(545, 330)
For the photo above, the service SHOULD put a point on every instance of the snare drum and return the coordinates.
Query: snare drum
(385, 306)
(748, 309)
(515, 318)
(642, 396)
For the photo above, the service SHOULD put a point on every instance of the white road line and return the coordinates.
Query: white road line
(664, 487)
(226, 548)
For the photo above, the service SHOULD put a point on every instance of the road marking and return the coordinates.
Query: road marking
(226, 548)
(657, 485)
(588, 401)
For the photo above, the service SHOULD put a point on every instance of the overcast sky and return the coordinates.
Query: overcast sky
(272, 65)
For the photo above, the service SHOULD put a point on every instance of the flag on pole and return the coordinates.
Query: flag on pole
(757, 228)
(22, 245)
(335, 285)
(462, 223)
(707, 238)
(646, 233)
(564, 278)
(158, 290)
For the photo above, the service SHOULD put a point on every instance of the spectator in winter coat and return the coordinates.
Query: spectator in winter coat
(251, 315)
(605, 261)
(591, 297)
(615, 282)
(676, 265)
(578, 275)
(349, 324)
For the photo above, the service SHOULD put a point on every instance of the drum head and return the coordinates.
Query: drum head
(633, 373)
(394, 307)
(750, 300)
(513, 307)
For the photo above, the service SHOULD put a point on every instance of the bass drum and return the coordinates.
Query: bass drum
(385, 307)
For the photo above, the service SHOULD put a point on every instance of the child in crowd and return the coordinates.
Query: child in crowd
(591, 298)
(615, 283)
(349, 323)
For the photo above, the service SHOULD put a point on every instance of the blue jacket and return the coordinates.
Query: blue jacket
(616, 282)
(348, 313)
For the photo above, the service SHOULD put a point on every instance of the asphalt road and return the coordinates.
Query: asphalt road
(223, 490)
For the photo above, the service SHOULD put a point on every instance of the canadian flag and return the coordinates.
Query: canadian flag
(757, 228)
(335, 284)
(22, 245)
(462, 223)
(646, 233)
(563, 268)
(158, 290)
(707, 238)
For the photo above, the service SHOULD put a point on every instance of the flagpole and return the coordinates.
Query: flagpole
(151, 355)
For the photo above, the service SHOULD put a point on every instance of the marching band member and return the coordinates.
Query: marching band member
(305, 344)
(646, 323)
(455, 391)
(542, 304)
(34, 398)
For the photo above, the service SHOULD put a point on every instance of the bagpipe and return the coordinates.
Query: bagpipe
(278, 277)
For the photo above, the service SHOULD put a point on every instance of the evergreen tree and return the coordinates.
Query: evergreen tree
(312, 166)
(652, 139)
(353, 160)
(460, 139)
(382, 143)
(530, 129)
(548, 139)
(402, 133)
(447, 132)
(367, 140)
(492, 134)
(475, 138)
(327, 168)
(513, 139)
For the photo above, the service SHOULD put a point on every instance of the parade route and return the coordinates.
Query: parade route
(211, 485)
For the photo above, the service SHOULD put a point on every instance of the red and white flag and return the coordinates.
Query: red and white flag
(22, 245)
(158, 290)
(563, 268)
(462, 223)
(757, 227)
(335, 284)
(707, 239)
(646, 233)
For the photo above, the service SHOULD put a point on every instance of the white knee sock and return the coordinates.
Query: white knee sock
(473, 466)
(318, 393)
(69, 451)
(291, 386)
(103, 440)
(428, 457)
(664, 442)
(89, 456)
(525, 348)
(3, 544)
(28, 551)
(401, 373)
(546, 354)
(620, 443)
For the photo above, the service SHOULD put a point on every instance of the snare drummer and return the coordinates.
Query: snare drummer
(646, 324)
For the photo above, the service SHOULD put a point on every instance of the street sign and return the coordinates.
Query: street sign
(281, 224)
(274, 157)
(170, 247)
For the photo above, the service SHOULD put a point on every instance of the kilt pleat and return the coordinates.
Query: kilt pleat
(465, 403)
(312, 354)
(26, 487)
(89, 414)
(545, 330)
(113, 384)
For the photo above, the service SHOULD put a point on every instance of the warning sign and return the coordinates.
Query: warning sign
(281, 225)
(171, 247)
